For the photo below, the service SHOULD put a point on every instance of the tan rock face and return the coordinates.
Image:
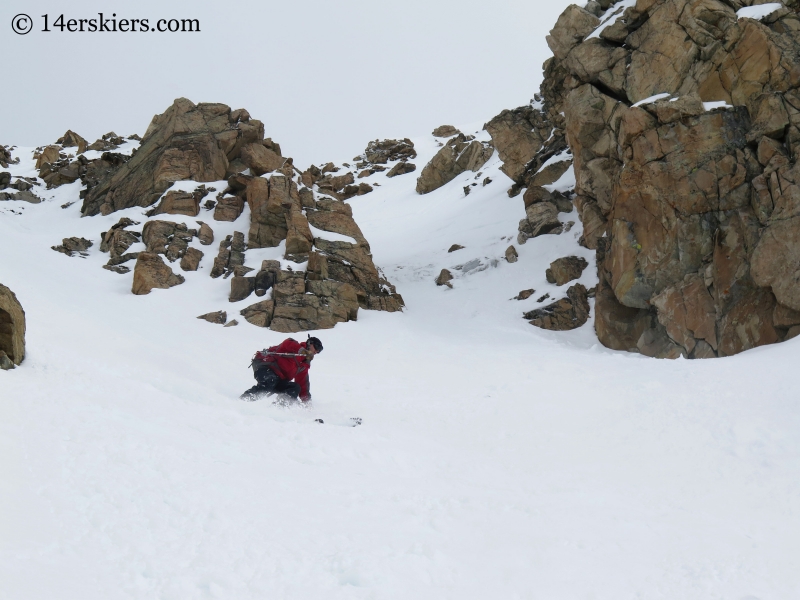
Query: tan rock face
(694, 213)
(458, 155)
(191, 259)
(445, 131)
(12, 327)
(299, 240)
(209, 142)
(572, 26)
(188, 141)
(151, 272)
(179, 203)
(380, 152)
(260, 159)
(565, 314)
(518, 136)
(269, 202)
(48, 155)
(73, 140)
(541, 218)
(564, 270)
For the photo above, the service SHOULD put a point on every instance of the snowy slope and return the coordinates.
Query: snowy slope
(495, 459)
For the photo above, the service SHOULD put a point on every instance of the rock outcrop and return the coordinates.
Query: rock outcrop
(219, 317)
(445, 131)
(6, 158)
(12, 330)
(151, 272)
(300, 301)
(564, 270)
(74, 245)
(565, 314)
(461, 153)
(210, 142)
(190, 141)
(683, 122)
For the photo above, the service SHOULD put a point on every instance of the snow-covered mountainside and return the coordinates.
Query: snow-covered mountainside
(495, 459)
(471, 434)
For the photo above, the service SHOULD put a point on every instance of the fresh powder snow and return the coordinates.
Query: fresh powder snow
(758, 12)
(494, 460)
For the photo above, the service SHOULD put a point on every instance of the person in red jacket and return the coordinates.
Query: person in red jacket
(283, 370)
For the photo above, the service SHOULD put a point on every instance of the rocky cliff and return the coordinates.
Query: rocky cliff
(191, 145)
(682, 119)
(12, 330)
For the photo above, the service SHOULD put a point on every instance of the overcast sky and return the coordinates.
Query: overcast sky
(325, 76)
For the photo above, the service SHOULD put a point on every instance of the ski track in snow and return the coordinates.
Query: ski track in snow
(495, 459)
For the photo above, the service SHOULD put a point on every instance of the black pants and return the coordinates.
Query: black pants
(269, 382)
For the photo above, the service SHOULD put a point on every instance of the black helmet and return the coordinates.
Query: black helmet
(312, 341)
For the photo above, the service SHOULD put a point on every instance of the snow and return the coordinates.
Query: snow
(758, 12)
(495, 459)
(652, 99)
(565, 182)
(610, 17)
(556, 158)
(716, 104)
(331, 236)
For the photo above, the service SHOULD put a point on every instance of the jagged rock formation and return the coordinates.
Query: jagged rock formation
(683, 119)
(526, 138)
(152, 272)
(181, 203)
(116, 242)
(300, 301)
(74, 245)
(199, 142)
(6, 158)
(375, 158)
(445, 131)
(211, 142)
(219, 317)
(401, 168)
(58, 166)
(460, 153)
(12, 330)
(565, 314)
(23, 185)
(230, 256)
(564, 270)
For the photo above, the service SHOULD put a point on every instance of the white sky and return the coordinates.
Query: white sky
(325, 77)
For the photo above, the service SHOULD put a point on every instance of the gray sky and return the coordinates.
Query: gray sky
(324, 76)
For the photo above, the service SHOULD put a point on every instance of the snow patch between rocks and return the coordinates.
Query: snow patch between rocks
(717, 104)
(652, 99)
(758, 12)
(610, 17)
(330, 235)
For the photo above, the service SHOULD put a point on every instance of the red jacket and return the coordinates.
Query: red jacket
(290, 367)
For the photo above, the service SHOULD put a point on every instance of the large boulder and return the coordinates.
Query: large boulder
(188, 141)
(118, 239)
(458, 155)
(270, 201)
(260, 159)
(519, 135)
(12, 329)
(151, 272)
(72, 140)
(564, 270)
(380, 152)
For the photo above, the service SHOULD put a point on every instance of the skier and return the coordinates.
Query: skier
(283, 369)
